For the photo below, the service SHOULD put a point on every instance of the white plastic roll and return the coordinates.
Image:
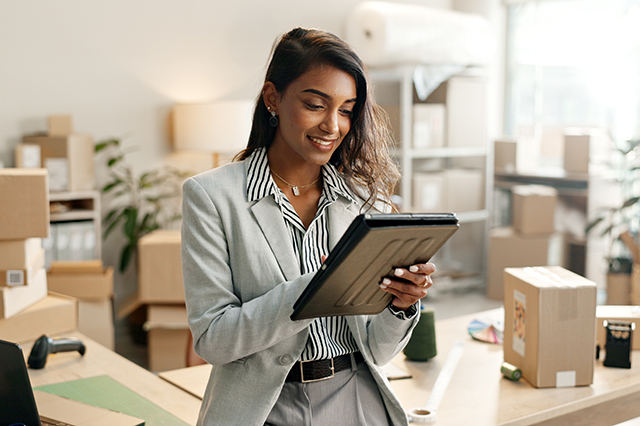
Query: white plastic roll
(394, 33)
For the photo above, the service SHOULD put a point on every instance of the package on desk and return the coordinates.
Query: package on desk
(23, 275)
(160, 279)
(168, 336)
(451, 190)
(69, 160)
(510, 249)
(616, 313)
(52, 315)
(25, 204)
(533, 208)
(549, 328)
(14, 300)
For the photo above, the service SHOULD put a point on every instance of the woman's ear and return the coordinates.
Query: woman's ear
(270, 96)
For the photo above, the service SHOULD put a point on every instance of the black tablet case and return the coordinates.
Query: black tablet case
(371, 248)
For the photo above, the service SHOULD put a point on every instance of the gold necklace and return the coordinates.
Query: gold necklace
(296, 188)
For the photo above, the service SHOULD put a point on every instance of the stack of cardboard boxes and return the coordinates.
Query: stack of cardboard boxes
(526, 242)
(26, 309)
(161, 290)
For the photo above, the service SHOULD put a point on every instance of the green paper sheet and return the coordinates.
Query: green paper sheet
(103, 391)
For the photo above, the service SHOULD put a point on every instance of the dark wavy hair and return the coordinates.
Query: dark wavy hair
(363, 156)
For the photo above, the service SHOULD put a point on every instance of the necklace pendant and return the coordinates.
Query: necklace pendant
(295, 190)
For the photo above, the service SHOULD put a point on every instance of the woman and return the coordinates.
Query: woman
(256, 230)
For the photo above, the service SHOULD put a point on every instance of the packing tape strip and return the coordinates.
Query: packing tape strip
(427, 414)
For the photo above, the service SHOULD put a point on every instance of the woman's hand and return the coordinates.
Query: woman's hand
(411, 287)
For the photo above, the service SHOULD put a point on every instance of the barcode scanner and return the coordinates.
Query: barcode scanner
(46, 345)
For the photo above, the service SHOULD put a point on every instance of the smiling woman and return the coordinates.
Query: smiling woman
(255, 232)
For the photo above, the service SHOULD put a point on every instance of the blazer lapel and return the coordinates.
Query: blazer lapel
(270, 220)
(341, 214)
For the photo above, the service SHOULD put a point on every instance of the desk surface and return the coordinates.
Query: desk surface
(99, 360)
(479, 395)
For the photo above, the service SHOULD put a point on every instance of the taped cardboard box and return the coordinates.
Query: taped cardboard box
(509, 249)
(23, 277)
(160, 276)
(54, 314)
(19, 254)
(533, 208)
(617, 313)
(69, 160)
(14, 300)
(85, 280)
(25, 204)
(549, 325)
(168, 336)
(95, 319)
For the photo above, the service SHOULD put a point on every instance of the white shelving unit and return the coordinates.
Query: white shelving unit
(407, 156)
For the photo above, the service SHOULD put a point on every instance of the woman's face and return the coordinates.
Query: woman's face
(314, 115)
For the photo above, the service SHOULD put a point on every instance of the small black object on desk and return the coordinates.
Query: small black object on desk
(618, 343)
(46, 345)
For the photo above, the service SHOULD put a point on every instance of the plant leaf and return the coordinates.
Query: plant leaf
(130, 225)
(630, 202)
(126, 255)
(108, 187)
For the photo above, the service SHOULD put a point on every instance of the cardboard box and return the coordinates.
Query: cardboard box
(82, 285)
(508, 249)
(28, 156)
(69, 160)
(618, 289)
(16, 299)
(466, 110)
(584, 149)
(60, 125)
(505, 156)
(160, 276)
(533, 208)
(95, 319)
(25, 204)
(451, 190)
(52, 315)
(616, 313)
(168, 336)
(19, 254)
(22, 277)
(549, 325)
(428, 125)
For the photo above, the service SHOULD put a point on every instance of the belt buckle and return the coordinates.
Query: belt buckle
(303, 380)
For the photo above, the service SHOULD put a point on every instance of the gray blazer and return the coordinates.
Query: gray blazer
(241, 279)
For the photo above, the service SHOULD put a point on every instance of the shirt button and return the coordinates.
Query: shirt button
(285, 360)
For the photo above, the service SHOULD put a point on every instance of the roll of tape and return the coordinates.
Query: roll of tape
(422, 415)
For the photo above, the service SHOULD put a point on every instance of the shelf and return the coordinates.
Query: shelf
(73, 215)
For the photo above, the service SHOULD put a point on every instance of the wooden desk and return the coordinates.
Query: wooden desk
(99, 360)
(479, 395)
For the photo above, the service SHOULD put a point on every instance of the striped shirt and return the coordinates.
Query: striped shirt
(329, 336)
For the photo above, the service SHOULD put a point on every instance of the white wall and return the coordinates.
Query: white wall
(118, 66)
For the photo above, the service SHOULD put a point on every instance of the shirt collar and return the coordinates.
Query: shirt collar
(260, 183)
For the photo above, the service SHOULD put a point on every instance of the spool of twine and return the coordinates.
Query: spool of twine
(422, 344)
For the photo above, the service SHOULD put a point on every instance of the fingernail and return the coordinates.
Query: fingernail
(413, 268)
(398, 272)
(385, 283)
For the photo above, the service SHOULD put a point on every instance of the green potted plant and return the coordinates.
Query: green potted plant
(621, 225)
(141, 203)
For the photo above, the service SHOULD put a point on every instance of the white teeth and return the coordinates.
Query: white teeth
(320, 141)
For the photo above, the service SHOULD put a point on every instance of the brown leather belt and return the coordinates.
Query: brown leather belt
(312, 371)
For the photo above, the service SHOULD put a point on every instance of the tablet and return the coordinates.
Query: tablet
(374, 245)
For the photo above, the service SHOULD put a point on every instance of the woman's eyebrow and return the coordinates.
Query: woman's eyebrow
(324, 95)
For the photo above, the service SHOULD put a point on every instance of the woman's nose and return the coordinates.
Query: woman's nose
(329, 123)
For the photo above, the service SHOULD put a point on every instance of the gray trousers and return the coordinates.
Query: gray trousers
(350, 398)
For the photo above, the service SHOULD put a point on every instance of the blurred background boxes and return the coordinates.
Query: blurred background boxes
(160, 279)
(92, 285)
(68, 159)
(510, 249)
(505, 156)
(584, 149)
(428, 125)
(52, 315)
(25, 204)
(168, 336)
(549, 329)
(533, 208)
(451, 190)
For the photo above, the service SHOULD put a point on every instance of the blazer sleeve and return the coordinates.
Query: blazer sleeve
(224, 327)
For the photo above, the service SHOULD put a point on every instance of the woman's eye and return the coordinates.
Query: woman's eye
(346, 112)
(313, 106)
